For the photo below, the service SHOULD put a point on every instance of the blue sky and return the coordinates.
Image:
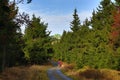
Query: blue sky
(58, 13)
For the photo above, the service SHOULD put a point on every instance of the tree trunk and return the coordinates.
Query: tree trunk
(4, 57)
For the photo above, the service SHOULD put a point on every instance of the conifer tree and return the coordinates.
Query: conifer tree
(75, 24)
(9, 34)
(86, 46)
(37, 41)
(102, 21)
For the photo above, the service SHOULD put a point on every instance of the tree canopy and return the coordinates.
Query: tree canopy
(95, 42)
(37, 41)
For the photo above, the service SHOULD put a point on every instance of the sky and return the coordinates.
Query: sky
(59, 13)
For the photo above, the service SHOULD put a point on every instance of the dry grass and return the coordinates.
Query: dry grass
(88, 73)
(110, 74)
(93, 74)
(67, 67)
(39, 72)
(34, 72)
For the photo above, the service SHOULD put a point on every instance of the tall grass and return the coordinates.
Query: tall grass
(88, 73)
(34, 72)
(38, 72)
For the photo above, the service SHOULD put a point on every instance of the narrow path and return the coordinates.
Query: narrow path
(56, 74)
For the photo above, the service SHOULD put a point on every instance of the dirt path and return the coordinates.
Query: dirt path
(56, 74)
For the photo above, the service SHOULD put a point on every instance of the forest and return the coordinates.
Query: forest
(94, 42)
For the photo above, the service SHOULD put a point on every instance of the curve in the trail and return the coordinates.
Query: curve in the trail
(56, 74)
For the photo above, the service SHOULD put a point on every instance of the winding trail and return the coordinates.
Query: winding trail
(55, 74)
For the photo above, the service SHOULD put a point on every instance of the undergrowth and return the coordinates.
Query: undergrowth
(88, 73)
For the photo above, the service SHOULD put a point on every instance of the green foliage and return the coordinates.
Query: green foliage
(89, 44)
(117, 2)
(37, 41)
(75, 24)
(10, 35)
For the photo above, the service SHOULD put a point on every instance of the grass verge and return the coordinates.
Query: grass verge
(34, 72)
(88, 73)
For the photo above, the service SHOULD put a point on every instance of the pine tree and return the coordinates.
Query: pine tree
(37, 41)
(103, 15)
(75, 24)
(101, 22)
(8, 32)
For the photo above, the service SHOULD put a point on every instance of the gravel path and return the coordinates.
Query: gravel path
(56, 74)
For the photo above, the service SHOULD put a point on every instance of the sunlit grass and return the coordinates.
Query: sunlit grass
(34, 72)
(88, 73)
(39, 72)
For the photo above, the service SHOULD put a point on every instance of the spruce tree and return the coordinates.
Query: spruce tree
(101, 22)
(37, 41)
(8, 33)
(75, 24)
